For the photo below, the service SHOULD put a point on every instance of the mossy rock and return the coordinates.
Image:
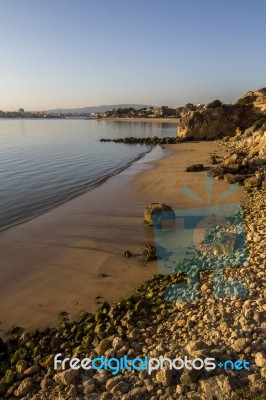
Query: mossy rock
(49, 361)
(105, 307)
(79, 336)
(89, 327)
(149, 295)
(34, 333)
(30, 345)
(9, 377)
(37, 350)
(65, 345)
(17, 356)
(88, 339)
(158, 302)
(131, 298)
(98, 316)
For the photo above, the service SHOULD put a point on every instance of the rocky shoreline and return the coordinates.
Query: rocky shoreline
(144, 324)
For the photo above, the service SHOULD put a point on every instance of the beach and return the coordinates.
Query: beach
(71, 258)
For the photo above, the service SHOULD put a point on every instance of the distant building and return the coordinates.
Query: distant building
(21, 110)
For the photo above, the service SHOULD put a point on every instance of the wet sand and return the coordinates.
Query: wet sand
(70, 258)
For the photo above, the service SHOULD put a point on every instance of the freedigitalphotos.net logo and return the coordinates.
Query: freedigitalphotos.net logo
(149, 364)
(197, 239)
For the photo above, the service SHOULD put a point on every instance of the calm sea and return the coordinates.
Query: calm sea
(46, 162)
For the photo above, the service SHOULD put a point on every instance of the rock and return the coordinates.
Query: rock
(127, 254)
(216, 388)
(89, 386)
(166, 376)
(137, 393)
(66, 377)
(103, 346)
(49, 361)
(189, 377)
(18, 355)
(24, 388)
(46, 382)
(195, 168)
(239, 345)
(72, 392)
(133, 335)
(208, 124)
(100, 377)
(21, 366)
(9, 377)
(195, 346)
(232, 179)
(179, 389)
(155, 140)
(213, 159)
(34, 369)
(150, 253)
(117, 343)
(156, 213)
(260, 359)
(121, 387)
(112, 382)
(254, 181)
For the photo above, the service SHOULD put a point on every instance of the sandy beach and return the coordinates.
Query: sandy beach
(71, 258)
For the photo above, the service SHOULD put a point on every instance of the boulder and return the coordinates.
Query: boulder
(254, 181)
(156, 213)
(195, 168)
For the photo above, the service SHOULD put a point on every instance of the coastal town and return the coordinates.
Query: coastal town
(120, 112)
(150, 112)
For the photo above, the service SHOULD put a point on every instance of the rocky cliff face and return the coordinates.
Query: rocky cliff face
(213, 123)
(257, 99)
(246, 162)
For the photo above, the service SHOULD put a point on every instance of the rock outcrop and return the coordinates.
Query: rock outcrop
(212, 123)
(257, 99)
(246, 162)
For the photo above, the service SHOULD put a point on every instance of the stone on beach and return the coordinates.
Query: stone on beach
(152, 214)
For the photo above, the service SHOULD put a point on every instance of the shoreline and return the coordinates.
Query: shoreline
(22, 237)
(96, 185)
(152, 120)
(66, 258)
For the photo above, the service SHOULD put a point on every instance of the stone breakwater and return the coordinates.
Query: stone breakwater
(147, 140)
(144, 324)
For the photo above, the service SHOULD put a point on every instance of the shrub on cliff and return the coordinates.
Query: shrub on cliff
(263, 90)
(215, 104)
(260, 122)
(247, 99)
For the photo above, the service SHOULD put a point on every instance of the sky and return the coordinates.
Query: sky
(78, 53)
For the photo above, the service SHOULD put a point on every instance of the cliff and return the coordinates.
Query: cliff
(219, 121)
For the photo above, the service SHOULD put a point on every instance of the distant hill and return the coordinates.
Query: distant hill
(96, 109)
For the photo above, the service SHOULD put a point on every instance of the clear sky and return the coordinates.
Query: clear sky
(77, 53)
